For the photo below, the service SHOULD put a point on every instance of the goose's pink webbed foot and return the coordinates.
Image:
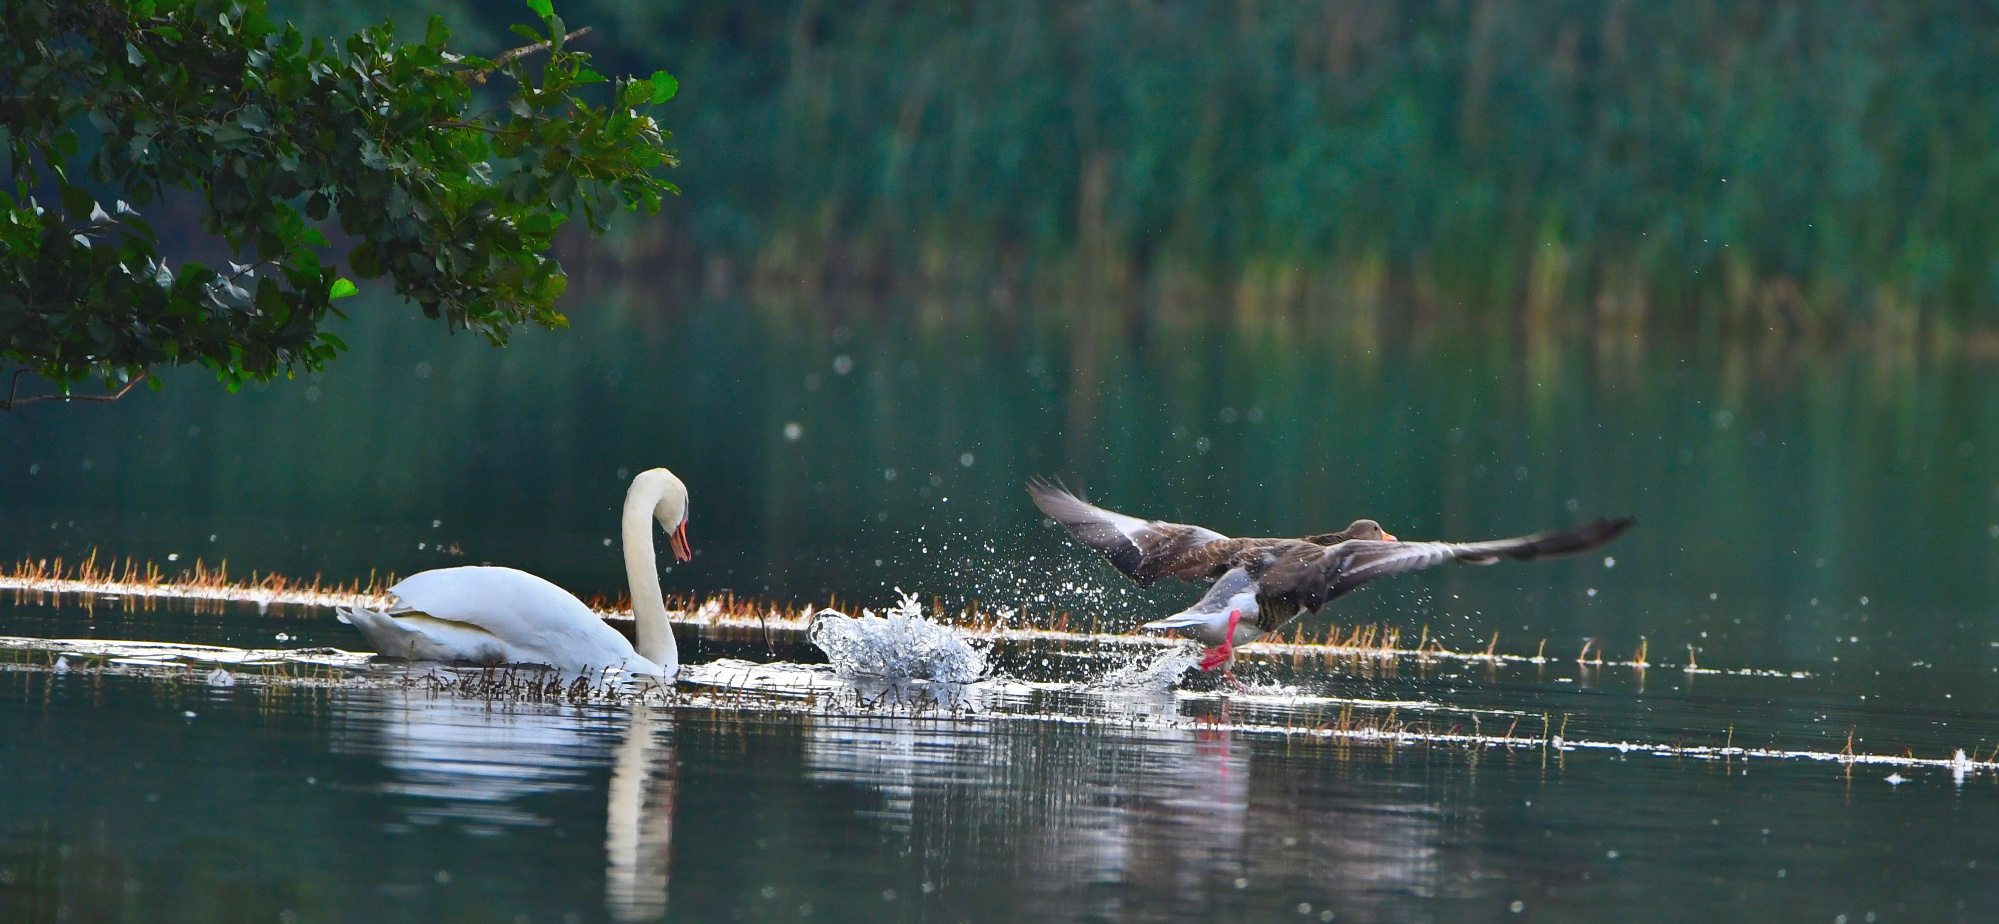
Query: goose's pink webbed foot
(1221, 655)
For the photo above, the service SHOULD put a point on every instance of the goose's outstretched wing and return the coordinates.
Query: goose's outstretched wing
(1308, 575)
(1143, 549)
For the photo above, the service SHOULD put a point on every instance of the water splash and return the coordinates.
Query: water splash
(901, 646)
(1155, 674)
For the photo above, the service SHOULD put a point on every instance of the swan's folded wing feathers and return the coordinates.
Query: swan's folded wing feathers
(504, 601)
(420, 637)
(1143, 550)
(536, 621)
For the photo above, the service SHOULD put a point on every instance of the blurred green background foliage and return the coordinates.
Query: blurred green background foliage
(1818, 171)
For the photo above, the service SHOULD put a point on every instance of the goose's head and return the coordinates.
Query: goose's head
(1368, 529)
(669, 498)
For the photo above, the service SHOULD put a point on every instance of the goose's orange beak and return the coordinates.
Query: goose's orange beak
(1387, 536)
(681, 551)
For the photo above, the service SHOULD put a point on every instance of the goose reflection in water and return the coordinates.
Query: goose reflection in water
(1150, 825)
(474, 763)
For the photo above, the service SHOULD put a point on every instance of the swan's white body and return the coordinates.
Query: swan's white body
(494, 616)
(489, 615)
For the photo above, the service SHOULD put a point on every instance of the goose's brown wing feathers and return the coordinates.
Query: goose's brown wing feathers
(1272, 612)
(1144, 550)
(1301, 575)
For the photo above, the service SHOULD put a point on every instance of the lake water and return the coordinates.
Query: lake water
(154, 795)
(1829, 520)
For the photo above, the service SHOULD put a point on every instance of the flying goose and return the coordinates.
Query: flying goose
(1262, 584)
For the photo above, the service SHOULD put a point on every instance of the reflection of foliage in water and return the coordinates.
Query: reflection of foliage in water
(1799, 472)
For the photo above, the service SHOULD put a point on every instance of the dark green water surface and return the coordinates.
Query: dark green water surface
(1786, 503)
(1832, 515)
(143, 799)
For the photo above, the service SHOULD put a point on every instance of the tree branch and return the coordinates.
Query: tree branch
(511, 54)
(14, 387)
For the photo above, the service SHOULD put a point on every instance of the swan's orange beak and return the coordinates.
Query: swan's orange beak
(1387, 536)
(681, 551)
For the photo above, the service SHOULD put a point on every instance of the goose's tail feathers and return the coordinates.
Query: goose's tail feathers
(1186, 620)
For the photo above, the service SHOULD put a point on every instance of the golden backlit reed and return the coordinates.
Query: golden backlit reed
(143, 585)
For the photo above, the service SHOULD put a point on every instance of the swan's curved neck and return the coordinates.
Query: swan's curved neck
(642, 573)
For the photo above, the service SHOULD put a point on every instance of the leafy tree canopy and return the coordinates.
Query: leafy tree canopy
(450, 184)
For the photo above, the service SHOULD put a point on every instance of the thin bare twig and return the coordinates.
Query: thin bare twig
(508, 56)
(14, 387)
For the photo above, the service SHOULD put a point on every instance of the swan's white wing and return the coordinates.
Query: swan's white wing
(417, 637)
(536, 621)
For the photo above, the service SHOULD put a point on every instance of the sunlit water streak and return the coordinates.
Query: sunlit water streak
(1139, 693)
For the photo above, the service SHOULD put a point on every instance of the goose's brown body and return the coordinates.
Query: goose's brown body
(1268, 582)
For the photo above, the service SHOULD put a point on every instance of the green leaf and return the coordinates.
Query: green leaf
(552, 288)
(271, 300)
(663, 87)
(77, 202)
(542, 8)
(362, 259)
(342, 288)
(437, 34)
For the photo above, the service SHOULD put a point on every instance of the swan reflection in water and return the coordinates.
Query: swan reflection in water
(1144, 824)
(1119, 823)
(474, 763)
(638, 833)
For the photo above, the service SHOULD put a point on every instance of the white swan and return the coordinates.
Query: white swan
(493, 615)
